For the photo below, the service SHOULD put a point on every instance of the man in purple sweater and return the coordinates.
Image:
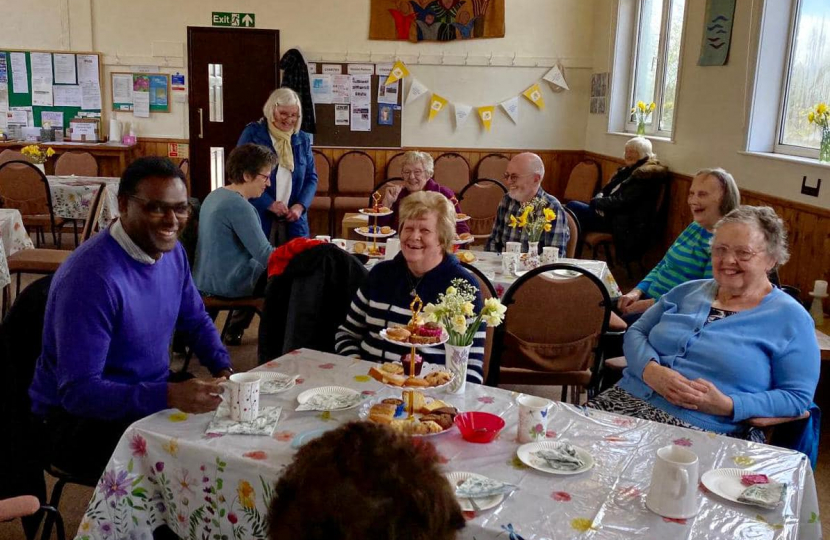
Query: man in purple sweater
(112, 309)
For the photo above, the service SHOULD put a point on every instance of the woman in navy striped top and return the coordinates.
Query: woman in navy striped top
(426, 267)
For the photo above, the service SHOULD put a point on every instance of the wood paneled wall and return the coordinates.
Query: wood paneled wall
(158, 147)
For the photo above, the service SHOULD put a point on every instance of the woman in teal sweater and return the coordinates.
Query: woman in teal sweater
(712, 195)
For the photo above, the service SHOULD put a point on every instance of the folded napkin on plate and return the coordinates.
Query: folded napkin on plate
(263, 424)
(765, 495)
(276, 384)
(563, 458)
(479, 487)
(329, 402)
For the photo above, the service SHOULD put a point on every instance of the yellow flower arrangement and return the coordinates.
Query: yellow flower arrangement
(455, 312)
(36, 154)
(641, 112)
(535, 218)
(821, 118)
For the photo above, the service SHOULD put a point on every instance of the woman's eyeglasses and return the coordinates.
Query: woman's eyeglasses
(741, 254)
(160, 209)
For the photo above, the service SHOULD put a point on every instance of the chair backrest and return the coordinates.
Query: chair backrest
(355, 173)
(93, 219)
(453, 171)
(77, 163)
(394, 166)
(480, 200)
(11, 155)
(383, 186)
(492, 166)
(24, 187)
(576, 232)
(323, 167)
(487, 291)
(583, 181)
(552, 324)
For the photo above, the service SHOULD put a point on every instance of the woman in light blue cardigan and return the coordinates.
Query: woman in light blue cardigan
(722, 354)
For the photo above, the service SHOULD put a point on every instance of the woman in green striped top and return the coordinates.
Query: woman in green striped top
(712, 195)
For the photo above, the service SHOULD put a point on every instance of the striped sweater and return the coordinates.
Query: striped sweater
(690, 257)
(383, 300)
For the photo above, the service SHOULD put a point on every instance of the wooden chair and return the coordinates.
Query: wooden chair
(552, 331)
(487, 291)
(452, 170)
(76, 163)
(25, 187)
(492, 166)
(11, 155)
(583, 181)
(394, 166)
(480, 200)
(319, 214)
(575, 230)
(355, 182)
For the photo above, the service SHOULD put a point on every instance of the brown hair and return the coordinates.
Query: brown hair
(249, 158)
(362, 481)
(419, 204)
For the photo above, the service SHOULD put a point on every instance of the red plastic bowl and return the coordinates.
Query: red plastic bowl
(479, 427)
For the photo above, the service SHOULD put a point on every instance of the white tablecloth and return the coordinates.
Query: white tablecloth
(166, 470)
(13, 238)
(72, 196)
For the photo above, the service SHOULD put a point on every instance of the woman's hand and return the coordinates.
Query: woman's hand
(677, 389)
(278, 208)
(295, 212)
(714, 401)
(640, 306)
(391, 195)
(628, 299)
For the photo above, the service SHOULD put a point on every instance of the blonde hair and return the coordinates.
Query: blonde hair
(413, 156)
(283, 96)
(421, 203)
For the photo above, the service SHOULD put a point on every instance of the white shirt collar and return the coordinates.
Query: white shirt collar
(120, 235)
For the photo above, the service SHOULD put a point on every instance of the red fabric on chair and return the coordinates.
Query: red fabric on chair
(281, 256)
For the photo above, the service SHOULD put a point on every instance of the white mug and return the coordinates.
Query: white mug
(243, 396)
(534, 416)
(514, 247)
(550, 255)
(339, 242)
(324, 237)
(674, 480)
(509, 260)
(393, 247)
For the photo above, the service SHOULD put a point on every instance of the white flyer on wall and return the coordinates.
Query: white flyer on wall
(122, 88)
(20, 73)
(54, 118)
(67, 95)
(388, 94)
(87, 68)
(42, 92)
(341, 115)
(141, 104)
(361, 69)
(361, 91)
(4, 97)
(321, 88)
(64, 68)
(90, 96)
(341, 88)
(361, 117)
(41, 67)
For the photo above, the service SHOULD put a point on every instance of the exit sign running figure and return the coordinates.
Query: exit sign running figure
(247, 20)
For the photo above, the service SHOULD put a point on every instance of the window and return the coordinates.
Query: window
(807, 80)
(656, 54)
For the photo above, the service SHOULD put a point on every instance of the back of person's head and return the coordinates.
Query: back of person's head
(248, 158)
(363, 481)
(146, 167)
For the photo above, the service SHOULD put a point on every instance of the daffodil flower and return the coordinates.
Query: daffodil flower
(652, 106)
(811, 116)
(550, 215)
(822, 108)
(513, 222)
(548, 227)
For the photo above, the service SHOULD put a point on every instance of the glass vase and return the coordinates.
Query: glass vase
(641, 128)
(824, 149)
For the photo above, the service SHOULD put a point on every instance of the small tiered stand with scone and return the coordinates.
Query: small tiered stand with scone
(374, 231)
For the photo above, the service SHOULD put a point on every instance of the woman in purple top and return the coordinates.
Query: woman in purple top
(417, 170)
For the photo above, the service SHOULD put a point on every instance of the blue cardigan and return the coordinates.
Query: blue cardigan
(766, 358)
(303, 179)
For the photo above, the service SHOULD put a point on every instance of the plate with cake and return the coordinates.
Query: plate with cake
(415, 335)
(377, 212)
(463, 238)
(431, 416)
(376, 231)
(461, 217)
(397, 374)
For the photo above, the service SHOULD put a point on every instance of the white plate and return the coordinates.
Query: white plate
(444, 338)
(462, 219)
(367, 406)
(266, 376)
(329, 390)
(459, 242)
(725, 483)
(558, 273)
(524, 455)
(484, 503)
(379, 214)
(426, 368)
(364, 231)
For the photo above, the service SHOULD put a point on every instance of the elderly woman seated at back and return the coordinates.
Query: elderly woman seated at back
(425, 267)
(417, 170)
(723, 354)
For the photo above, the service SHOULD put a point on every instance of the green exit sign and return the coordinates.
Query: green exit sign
(247, 20)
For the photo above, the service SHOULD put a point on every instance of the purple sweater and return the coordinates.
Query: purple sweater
(109, 322)
(431, 185)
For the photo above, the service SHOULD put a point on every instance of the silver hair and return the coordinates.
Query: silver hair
(535, 164)
(413, 156)
(731, 194)
(283, 96)
(767, 221)
(642, 146)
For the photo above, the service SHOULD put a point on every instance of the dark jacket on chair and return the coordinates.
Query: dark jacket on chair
(307, 302)
(295, 77)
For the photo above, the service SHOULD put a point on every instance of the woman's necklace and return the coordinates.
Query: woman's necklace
(413, 285)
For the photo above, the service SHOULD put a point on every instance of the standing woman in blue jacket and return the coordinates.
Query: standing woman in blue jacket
(294, 180)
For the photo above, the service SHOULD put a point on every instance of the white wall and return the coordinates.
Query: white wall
(712, 109)
(153, 32)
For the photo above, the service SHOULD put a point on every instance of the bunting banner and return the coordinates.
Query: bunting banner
(462, 114)
(556, 78)
(435, 106)
(511, 107)
(399, 71)
(486, 115)
(534, 95)
(416, 90)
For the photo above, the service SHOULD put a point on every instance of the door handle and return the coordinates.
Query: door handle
(201, 124)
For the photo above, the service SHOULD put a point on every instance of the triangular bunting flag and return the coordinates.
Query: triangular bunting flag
(435, 106)
(556, 78)
(398, 72)
(486, 115)
(462, 114)
(511, 107)
(534, 94)
(416, 90)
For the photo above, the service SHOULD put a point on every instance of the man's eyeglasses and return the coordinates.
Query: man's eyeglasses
(742, 254)
(160, 209)
(514, 177)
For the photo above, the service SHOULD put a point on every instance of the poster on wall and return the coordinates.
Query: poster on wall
(717, 33)
(599, 92)
(436, 20)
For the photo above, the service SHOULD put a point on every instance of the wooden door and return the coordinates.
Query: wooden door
(232, 72)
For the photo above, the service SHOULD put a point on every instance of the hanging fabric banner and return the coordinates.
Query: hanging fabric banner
(556, 78)
(534, 95)
(486, 115)
(416, 90)
(462, 114)
(435, 106)
(511, 107)
(398, 72)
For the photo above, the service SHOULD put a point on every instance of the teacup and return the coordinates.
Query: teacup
(549, 255)
(340, 242)
(674, 481)
(242, 396)
(534, 416)
(324, 237)
(514, 247)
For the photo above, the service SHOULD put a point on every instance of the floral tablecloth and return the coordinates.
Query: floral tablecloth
(72, 196)
(166, 470)
(13, 238)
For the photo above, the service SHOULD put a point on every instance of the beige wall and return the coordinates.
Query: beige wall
(153, 32)
(711, 115)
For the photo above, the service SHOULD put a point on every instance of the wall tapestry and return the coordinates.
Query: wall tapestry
(717, 32)
(436, 20)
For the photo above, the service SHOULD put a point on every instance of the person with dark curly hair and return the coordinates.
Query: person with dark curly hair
(363, 481)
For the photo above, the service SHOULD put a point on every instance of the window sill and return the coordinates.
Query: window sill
(647, 136)
(788, 158)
